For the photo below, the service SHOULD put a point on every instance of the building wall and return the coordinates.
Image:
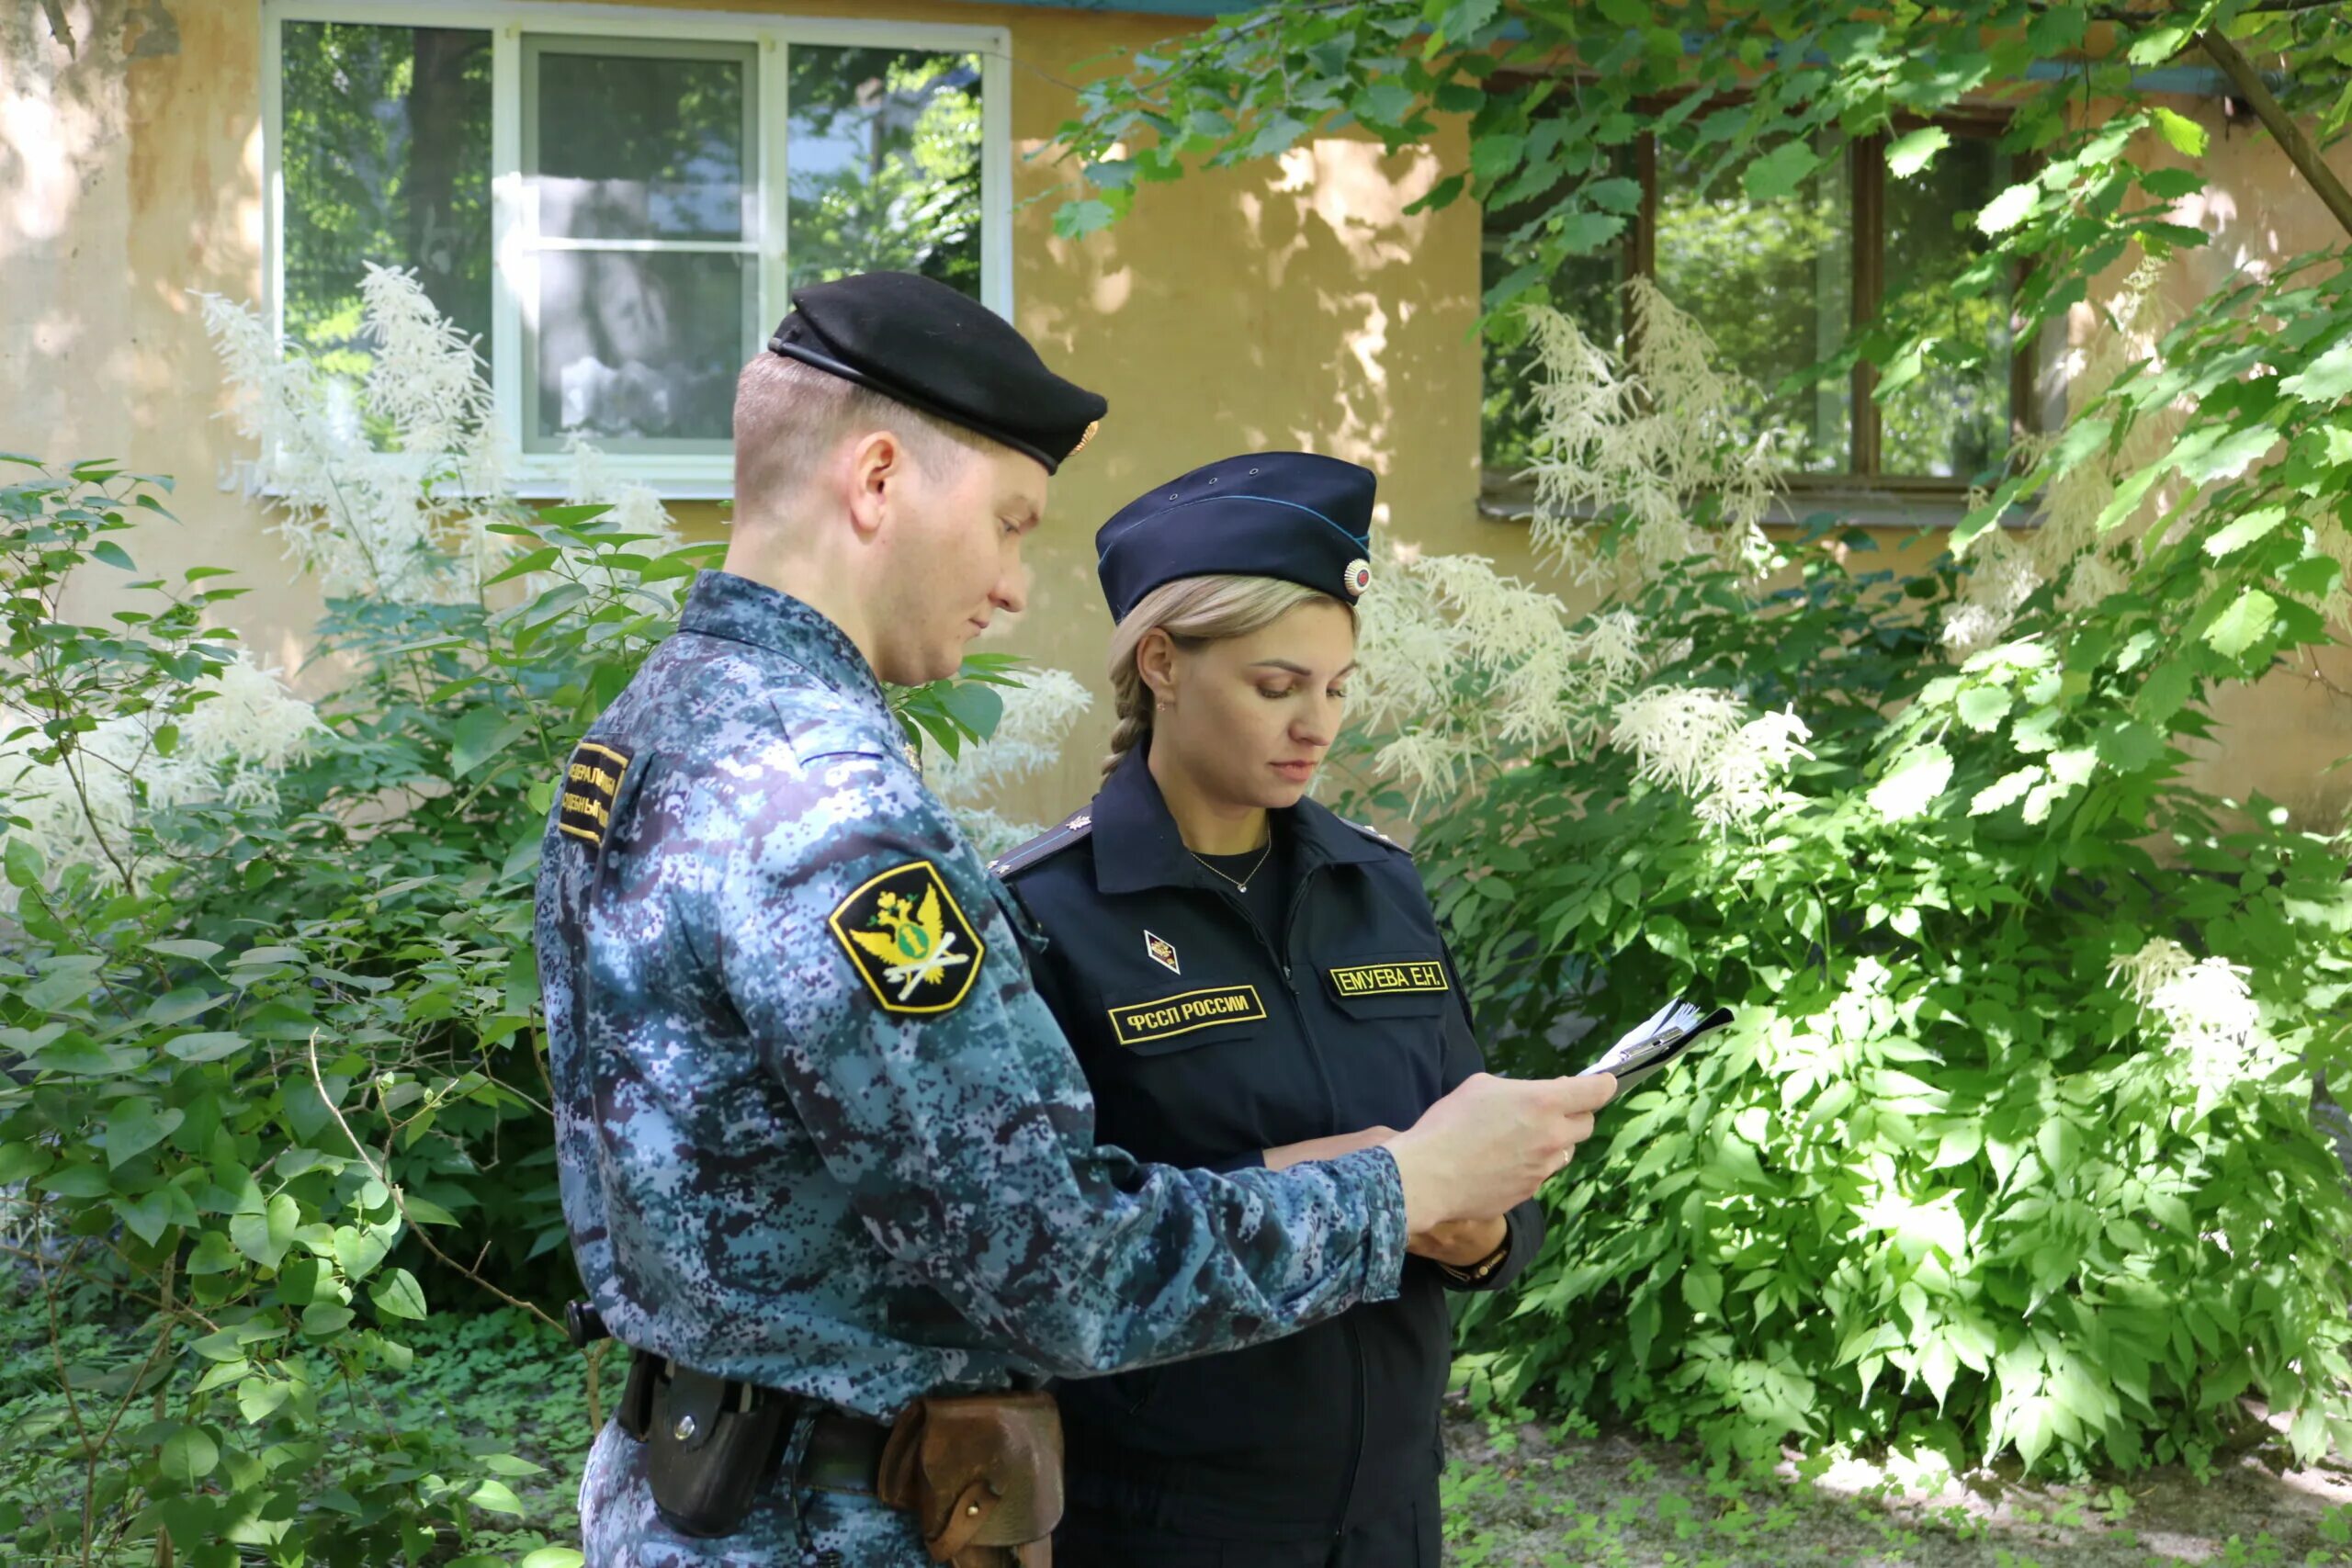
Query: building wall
(1291, 305)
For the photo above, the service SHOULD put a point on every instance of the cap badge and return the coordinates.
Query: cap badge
(1358, 577)
(1162, 950)
(1088, 435)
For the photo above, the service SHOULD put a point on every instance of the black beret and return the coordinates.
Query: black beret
(1289, 515)
(919, 341)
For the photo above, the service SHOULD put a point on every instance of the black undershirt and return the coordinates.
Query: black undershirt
(1268, 894)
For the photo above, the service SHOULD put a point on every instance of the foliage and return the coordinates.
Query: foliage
(2013, 1147)
(276, 1088)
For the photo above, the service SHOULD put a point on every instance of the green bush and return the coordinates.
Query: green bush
(1944, 1184)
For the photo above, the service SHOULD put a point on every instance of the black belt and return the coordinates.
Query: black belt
(844, 1451)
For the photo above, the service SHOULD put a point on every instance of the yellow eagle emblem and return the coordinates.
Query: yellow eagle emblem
(910, 941)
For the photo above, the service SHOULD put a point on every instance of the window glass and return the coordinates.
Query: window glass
(1951, 423)
(1771, 283)
(1589, 290)
(884, 165)
(385, 156)
(639, 158)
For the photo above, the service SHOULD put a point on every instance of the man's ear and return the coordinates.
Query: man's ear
(878, 468)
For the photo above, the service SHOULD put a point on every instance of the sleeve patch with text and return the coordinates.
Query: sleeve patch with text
(910, 941)
(590, 781)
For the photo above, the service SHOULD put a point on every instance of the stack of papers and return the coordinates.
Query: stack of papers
(1657, 1039)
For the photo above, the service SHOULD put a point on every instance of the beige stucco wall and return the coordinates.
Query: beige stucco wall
(1276, 306)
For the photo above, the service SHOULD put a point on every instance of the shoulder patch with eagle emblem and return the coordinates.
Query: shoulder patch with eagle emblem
(910, 941)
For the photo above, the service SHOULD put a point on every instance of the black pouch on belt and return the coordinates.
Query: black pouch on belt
(712, 1442)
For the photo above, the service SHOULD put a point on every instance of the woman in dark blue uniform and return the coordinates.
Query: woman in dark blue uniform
(1249, 980)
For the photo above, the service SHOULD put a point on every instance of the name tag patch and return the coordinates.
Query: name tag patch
(1390, 979)
(591, 781)
(1140, 1023)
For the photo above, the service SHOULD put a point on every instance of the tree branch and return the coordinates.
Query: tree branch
(2283, 130)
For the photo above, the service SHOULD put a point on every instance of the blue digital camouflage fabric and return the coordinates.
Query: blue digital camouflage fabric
(815, 1129)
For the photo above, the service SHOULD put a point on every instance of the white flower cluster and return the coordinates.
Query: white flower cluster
(2004, 578)
(1464, 663)
(1038, 717)
(2206, 1007)
(387, 498)
(1652, 440)
(1703, 741)
(244, 730)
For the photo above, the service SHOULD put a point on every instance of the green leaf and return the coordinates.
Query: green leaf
(147, 1216)
(2244, 623)
(481, 734)
(1906, 155)
(21, 1162)
(134, 1126)
(2187, 136)
(1983, 707)
(209, 1047)
(552, 1557)
(2245, 531)
(322, 1319)
(214, 1254)
(1912, 784)
(1781, 171)
(265, 1236)
(2325, 380)
(1385, 102)
(496, 1497)
(2008, 209)
(1076, 220)
(107, 550)
(397, 1295)
(188, 1456)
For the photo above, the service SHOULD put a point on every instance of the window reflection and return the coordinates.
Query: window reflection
(885, 164)
(1949, 423)
(1771, 283)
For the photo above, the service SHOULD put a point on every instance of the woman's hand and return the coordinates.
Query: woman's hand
(1289, 1154)
(1460, 1243)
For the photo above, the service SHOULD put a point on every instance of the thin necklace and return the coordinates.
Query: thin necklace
(1241, 883)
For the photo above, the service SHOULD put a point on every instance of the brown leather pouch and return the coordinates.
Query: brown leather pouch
(981, 1474)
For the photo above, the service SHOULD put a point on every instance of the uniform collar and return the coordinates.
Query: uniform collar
(1137, 844)
(725, 605)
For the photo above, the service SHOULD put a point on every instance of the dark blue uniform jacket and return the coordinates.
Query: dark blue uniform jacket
(1205, 1045)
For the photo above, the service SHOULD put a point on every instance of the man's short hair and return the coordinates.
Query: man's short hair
(790, 417)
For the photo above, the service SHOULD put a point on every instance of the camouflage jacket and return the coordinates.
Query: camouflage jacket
(815, 1128)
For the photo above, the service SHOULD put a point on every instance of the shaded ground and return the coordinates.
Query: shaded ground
(1530, 1497)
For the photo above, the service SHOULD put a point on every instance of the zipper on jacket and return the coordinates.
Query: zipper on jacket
(1281, 955)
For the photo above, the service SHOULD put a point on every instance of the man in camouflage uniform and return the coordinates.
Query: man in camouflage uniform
(816, 1131)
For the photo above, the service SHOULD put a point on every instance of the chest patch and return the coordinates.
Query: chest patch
(1390, 979)
(590, 781)
(1140, 1023)
(909, 939)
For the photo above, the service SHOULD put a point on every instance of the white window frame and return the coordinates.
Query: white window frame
(676, 477)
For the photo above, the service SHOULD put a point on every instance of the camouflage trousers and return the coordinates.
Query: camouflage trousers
(618, 1527)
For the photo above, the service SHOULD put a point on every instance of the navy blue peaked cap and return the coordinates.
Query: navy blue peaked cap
(919, 341)
(1288, 515)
